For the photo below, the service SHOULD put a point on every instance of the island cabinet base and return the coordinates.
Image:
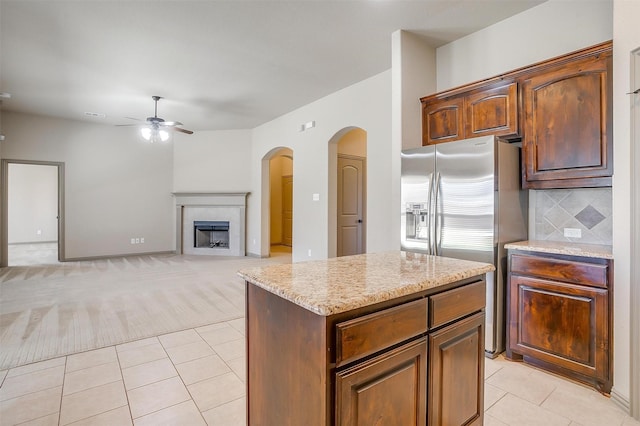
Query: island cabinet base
(288, 377)
(415, 360)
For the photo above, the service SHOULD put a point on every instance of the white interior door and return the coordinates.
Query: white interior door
(287, 210)
(351, 197)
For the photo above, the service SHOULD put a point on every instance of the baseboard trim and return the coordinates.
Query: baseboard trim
(113, 256)
(621, 400)
(257, 256)
(32, 242)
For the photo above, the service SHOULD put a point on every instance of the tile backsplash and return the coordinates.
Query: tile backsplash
(587, 209)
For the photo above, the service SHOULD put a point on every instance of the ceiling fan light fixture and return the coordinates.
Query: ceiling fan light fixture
(164, 135)
(154, 135)
(146, 133)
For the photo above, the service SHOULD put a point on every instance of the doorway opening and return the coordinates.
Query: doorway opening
(348, 192)
(32, 212)
(280, 201)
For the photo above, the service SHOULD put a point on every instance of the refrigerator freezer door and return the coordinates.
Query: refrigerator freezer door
(418, 171)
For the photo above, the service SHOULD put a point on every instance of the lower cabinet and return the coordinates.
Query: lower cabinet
(456, 373)
(559, 316)
(414, 361)
(386, 390)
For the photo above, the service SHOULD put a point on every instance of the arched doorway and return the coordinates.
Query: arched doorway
(348, 192)
(279, 197)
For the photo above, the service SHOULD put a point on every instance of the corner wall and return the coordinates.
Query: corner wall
(626, 38)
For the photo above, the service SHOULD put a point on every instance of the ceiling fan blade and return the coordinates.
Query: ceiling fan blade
(189, 132)
(136, 119)
(128, 125)
(171, 123)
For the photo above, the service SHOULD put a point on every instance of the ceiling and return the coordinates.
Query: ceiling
(218, 64)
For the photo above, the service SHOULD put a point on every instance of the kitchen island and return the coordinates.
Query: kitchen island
(384, 338)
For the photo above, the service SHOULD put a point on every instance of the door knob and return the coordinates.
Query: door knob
(359, 220)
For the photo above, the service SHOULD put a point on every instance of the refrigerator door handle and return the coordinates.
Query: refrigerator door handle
(429, 214)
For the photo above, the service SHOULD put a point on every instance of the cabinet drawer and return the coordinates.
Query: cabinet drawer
(371, 333)
(591, 274)
(453, 304)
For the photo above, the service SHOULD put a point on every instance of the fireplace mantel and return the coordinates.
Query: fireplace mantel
(211, 198)
(196, 206)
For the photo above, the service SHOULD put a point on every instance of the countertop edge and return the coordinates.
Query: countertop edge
(556, 247)
(383, 296)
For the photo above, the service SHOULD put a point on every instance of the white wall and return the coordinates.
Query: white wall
(367, 105)
(551, 29)
(210, 161)
(414, 76)
(116, 186)
(626, 38)
(32, 203)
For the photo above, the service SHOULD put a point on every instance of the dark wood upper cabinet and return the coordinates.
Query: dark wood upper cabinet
(443, 121)
(560, 109)
(491, 110)
(568, 118)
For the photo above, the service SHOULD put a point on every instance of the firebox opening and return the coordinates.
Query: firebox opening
(213, 234)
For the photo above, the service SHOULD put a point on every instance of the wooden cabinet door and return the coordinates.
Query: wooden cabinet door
(568, 125)
(387, 390)
(456, 373)
(564, 325)
(443, 121)
(493, 111)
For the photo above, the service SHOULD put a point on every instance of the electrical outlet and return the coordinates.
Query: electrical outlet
(133, 241)
(141, 240)
(309, 252)
(39, 232)
(572, 232)
(137, 240)
(316, 197)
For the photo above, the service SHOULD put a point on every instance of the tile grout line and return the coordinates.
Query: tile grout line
(64, 375)
(183, 383)
(124, 386)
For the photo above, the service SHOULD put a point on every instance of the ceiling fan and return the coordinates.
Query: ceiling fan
(156, 129)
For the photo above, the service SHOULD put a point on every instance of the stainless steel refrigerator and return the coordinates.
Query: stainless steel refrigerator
(463, 199)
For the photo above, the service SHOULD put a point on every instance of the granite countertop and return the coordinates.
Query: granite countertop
(340, 284)
(560, 247)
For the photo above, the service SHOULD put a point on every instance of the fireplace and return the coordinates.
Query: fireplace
(211, 223)
(211, 233)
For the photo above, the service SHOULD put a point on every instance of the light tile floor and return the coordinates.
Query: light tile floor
(197, 377)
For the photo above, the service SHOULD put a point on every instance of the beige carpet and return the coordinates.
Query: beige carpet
(58, 309)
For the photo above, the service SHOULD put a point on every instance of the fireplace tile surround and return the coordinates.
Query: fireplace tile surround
(211, 206)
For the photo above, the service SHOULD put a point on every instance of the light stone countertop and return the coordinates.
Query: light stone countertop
(559, 247)
(340, 284)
